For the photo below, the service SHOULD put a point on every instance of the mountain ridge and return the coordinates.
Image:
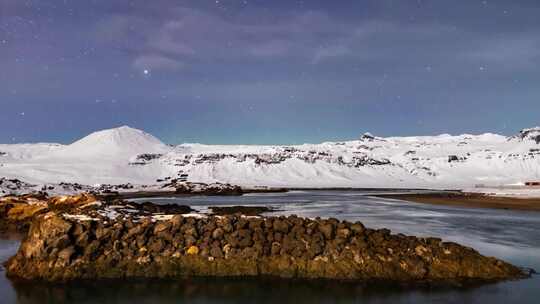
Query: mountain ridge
(126, 154)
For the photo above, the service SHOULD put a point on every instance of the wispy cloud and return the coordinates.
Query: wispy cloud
(156, 62)
(191, 33)
(517, 52)
(331, 51)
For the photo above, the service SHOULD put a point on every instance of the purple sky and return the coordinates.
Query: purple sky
(267, 71)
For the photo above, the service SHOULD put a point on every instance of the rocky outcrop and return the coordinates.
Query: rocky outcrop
(17, 212)
(532, 134)
(282, 154)
(205, 189)
(241, 210)
(60, 247)
(8, 186)
(144, 159)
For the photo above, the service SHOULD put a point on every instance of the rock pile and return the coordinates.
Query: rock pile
(17, 212)
(61, 248)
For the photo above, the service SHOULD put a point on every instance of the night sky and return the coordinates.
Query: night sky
(265, 72)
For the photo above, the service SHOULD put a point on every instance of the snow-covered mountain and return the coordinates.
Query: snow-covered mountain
(128, 155)
(119, 143)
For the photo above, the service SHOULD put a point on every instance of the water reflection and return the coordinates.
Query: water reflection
(205, 290)
(513, 236)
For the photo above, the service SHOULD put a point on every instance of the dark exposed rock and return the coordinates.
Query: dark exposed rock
(532, 134)
(162, 226)
(361, 158)
(281, 225)
(245, 210)
(169, 208)
(216, 252)
(327, 230)
(357, 228)
(60, 249)
(64, 256)
(204, 189)
(218, 233)
(144, 159)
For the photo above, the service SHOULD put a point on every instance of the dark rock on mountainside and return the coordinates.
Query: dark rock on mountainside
(144, 159)
(529, 134)
(282, 154)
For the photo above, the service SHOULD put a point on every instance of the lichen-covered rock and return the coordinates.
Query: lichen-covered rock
(60, 248)
(17, 212)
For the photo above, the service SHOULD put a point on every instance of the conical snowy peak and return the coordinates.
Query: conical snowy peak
(124, 136)
(122, 142)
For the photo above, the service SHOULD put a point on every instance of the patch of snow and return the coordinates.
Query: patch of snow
(93, 204)
(79, 217)
(194, 215)
(109, 213)
(162, 217)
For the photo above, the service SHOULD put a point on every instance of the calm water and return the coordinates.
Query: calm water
(511, 235)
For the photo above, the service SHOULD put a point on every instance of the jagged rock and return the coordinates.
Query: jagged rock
(529, 134)
(216, 252)
(343, 233)
(218, 233)
(162, 226)
(64, 256)
(285, 247)
(327, 230)
(357, 228)
(281, 226)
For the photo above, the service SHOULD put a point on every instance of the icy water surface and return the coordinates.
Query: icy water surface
(511, 235)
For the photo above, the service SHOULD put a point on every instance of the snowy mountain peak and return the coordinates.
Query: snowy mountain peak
(122, 141)
(122, 133)
(529, 134)
(367, 136)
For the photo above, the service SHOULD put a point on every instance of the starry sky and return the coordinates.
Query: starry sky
(267, 71)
